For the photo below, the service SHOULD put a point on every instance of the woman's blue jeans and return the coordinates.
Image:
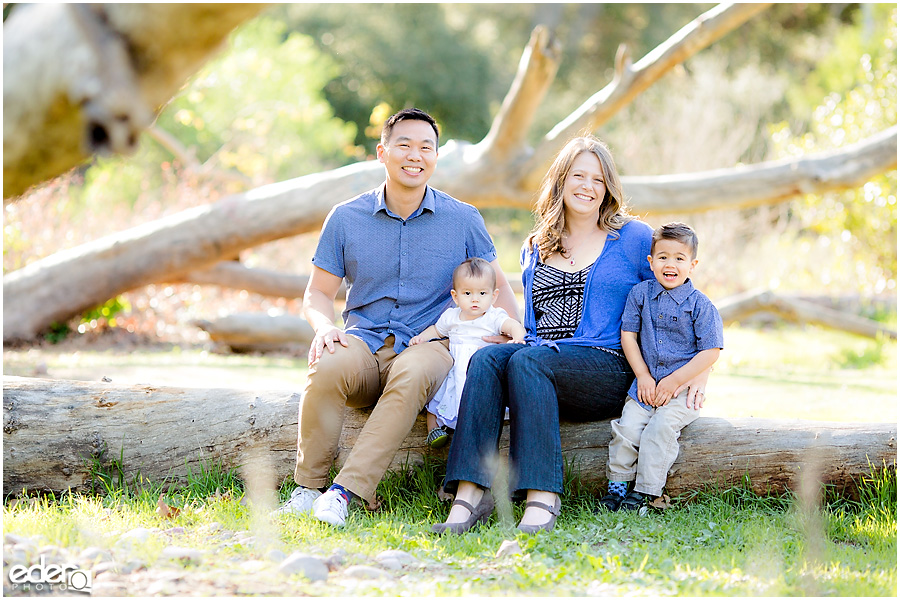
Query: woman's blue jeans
(539, 384)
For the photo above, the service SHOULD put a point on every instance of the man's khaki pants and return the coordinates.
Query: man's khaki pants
(398, 385)
(645, 443)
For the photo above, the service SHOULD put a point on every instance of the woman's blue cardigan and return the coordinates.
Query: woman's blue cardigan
(622, 265)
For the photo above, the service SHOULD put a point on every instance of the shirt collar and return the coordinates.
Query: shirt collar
(381, 205)
(678, 294)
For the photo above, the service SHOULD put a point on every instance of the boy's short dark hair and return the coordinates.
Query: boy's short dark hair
(678, 232)
(408, 114)
(476, 268)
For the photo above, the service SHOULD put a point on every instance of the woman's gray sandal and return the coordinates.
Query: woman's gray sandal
(479, 514)
(548, 526)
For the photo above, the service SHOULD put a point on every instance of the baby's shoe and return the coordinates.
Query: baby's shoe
(438, 437)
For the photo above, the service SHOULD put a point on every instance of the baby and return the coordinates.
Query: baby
(474, 292)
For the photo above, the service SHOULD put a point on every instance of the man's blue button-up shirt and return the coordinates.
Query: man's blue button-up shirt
(398, 271)
(672, 326)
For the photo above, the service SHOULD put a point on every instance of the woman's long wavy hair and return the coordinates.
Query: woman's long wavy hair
(549, 211)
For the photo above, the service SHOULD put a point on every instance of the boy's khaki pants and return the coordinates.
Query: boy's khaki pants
(398, 385)
(645, 443)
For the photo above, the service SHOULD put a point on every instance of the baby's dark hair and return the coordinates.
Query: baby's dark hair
(678, 232)
(475, 268)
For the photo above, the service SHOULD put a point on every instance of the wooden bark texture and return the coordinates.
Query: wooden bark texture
(73, 70)
(52, 429)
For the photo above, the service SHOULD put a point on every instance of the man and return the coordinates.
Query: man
(397, 246)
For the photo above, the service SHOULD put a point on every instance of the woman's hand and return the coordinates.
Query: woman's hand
(496, 339)
(696, 388)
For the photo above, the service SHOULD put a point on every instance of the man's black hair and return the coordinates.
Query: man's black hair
(408, 114)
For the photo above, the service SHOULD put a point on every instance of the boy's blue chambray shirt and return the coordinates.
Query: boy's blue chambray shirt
(398, 272)
(672, 326)
(621, 265)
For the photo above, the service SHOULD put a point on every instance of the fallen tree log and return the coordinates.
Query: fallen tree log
(741, 306)
(54, 430)
(250, 332)
(259, 331)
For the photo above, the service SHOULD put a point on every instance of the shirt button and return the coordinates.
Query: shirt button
(401, 284)
(396, 306)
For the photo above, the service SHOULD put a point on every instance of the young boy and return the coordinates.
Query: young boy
(671, 333)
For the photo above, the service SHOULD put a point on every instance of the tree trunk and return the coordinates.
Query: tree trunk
(54, 430)
(80, 79)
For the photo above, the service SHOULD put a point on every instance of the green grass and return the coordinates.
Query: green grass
(718, 542)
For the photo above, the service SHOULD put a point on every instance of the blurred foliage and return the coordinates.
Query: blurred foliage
(106, 312)
(397, 56)
(457, 60)
(859, 226)
(258, 108)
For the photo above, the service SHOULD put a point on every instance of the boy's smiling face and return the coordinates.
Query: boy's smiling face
(671, 263)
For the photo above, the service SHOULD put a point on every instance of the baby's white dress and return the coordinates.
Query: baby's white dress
(465, 339)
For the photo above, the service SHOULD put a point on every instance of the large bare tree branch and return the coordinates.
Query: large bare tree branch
(769, 182)
(80, 79)
(536, 72)
(630, 81)
(232, 274)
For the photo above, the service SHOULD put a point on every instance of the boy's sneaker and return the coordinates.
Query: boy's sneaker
(331, 507)
(635, 501)
(611, 502)
(438, 437)
(300, 502)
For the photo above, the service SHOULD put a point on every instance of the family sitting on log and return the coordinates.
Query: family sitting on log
(584, 264)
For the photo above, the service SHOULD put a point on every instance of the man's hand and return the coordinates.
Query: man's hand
(326, 339)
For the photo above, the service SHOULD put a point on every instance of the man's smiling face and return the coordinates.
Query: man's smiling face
(410, 155)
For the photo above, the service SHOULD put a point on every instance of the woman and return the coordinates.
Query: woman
(584, 255)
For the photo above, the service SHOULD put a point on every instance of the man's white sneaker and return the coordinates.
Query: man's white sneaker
(331, 507)
(300, 502)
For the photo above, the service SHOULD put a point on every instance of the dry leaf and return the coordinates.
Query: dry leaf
(662, 503)
(443, 496)
(164, 510)
(508, 547)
